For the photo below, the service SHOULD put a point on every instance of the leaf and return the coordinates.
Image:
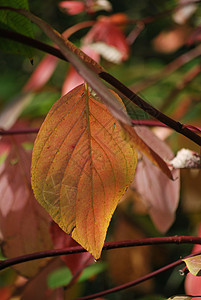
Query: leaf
(193, 283)
(24, 225)
(85, 66)
(41, 74)
(37, 288)
(13, 21)
(79, 170)
(63, 276)
(91, 271)
(148, 144)
(59, 278)
(194, 264)
(13, 109)
(181, 297)
(75, 262)
(73, 79)
(159, 194)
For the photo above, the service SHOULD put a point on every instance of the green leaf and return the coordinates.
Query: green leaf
(194, 264)
(59, 278)
(63, 276)
(91, 271)
(13, 21)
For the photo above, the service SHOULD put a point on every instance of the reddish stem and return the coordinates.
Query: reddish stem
(137, 281)
(137, 122)
(107, 246)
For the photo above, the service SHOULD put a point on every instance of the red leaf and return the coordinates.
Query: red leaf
(193, 283)
(158, 192)
(24, 224)
(42, 73)
(74, 262)
(106, 31)
(37, 288)
(72, 7)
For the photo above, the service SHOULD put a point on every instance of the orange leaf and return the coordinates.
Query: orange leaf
(79, 170)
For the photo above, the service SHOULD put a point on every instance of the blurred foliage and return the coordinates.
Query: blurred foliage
(144, 62)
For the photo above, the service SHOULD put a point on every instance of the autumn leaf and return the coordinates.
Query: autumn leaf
(194, 264)
(180, 297)
(81, 167)
(193, 283)
(61, 240)
(24, 224)
(159, 194)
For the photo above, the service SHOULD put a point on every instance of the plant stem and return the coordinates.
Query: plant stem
(177, 126)
(107, 246)
(19, 131)
(167, 70)
(137, 281)
(101, 90)
(151, 123)
(15, 36)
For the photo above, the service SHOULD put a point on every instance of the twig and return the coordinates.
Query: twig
(188, 78)
(137, 281)
(101, 90)
(138, 122)
(15, 36)
(170, 68)
(107, 246)
(19, 131)
(177, 126)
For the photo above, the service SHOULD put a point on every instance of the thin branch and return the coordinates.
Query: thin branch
(107, 246)
(15, 36)
(101, 89)
(170, 68)
(186, 80)
(138, 122)
(137, 281)
(19, 131)
(177, 126)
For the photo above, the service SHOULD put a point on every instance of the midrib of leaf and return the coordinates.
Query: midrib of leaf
(90, 150)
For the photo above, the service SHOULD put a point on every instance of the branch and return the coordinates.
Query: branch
(100, 89)
(177, 126)
(139, 280)
(19, 131)
(137, 122)
(170, 68)
(107, 246)
(15, 36)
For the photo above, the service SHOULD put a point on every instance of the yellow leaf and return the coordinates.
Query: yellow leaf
(81, 167)
(194, 264)
(181, 297)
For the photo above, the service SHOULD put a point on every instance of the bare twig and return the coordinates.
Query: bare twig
(170, 68)
(186, 80)
(137, 281)
(138, 122)
(177, 126)
(19, 131)
(107, 246)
